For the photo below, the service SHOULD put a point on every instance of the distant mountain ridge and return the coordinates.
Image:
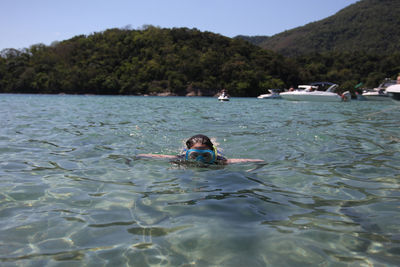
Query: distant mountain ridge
(256, 40)
(371, 26)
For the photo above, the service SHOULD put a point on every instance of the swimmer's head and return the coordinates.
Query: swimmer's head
(201, 149)
(198, 140)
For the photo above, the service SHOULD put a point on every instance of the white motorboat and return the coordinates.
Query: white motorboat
(313, 92)
(223, 98)
(373, 95)
(394, 92)
(272, 94)
(379, 93)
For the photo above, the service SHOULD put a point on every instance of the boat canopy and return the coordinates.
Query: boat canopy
(322, 84)
(332, 86)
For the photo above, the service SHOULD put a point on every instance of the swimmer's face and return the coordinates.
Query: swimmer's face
(200, 152)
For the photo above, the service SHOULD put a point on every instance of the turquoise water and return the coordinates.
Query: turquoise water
(73, 193)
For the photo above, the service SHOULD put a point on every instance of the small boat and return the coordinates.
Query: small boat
(379, 93)
(394, 92)
(272, 94)
(224, 96)
(315, 92)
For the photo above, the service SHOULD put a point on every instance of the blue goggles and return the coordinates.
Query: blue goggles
(202, 155)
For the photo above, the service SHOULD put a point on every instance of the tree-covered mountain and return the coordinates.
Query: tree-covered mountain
(371, 26)
(177, 61)
(358, 44)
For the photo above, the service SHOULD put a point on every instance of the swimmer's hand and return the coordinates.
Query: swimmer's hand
(230, 161)
(157, 156)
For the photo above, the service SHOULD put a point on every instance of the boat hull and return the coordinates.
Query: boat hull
(394, 92)
(395, 96)
(269, 96)
(311, 96)
(376, 96)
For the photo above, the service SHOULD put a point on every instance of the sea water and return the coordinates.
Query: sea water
(73, 191)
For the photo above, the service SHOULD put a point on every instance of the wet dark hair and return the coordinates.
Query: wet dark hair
(199, 138)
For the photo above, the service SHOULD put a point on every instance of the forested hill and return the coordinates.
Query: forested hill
(177, 61)
(371, 26)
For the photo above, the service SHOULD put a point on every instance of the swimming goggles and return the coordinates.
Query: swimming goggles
(202, 155)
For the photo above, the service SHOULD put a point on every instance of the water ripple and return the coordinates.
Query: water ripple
(74, 192)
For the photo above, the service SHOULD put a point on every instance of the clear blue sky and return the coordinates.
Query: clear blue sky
(27, 22)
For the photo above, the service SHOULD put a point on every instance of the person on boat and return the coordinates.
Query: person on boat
(224, 92)
(199, 148)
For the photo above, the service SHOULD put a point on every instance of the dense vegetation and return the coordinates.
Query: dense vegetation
(370, 26)
(256, 40)
(152, 60)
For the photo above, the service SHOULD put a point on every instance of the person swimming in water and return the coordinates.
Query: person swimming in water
(199, 148)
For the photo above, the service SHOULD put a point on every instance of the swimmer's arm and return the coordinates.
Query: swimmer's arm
(224, 161)
(157, 156)
(230, 161)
